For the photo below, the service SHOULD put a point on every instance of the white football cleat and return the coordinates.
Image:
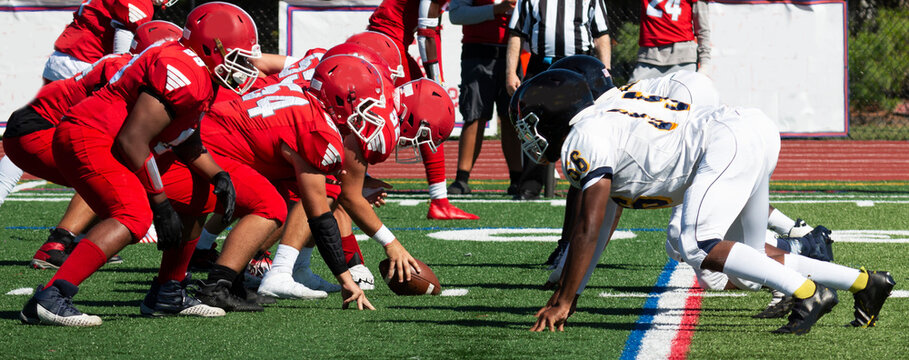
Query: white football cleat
(363, 277)
(800, 229)
(282, 285)
(309, 279)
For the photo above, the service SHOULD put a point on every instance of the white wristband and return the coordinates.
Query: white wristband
(384, 236)
(428, 23)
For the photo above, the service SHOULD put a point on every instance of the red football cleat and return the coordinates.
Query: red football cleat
(441, 209)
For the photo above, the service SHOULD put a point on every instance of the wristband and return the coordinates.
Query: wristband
(384, 236)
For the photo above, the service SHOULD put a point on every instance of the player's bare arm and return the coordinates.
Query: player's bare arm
(324, 227)
(512, 53)
(583, 242)
(361, 211)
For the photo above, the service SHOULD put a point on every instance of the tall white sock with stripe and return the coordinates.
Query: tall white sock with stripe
(747, 263)
(832, 275)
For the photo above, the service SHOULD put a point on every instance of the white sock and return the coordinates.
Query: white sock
(206, 239)
(747, 263)
(771, 238)
(827, 273)
(284, 259)
(780, 223)
(9, 177)
(438, 191)
(302, 261)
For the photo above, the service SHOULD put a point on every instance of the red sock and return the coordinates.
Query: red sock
(175, 261)
(434, 162)
(351, 249)
(85, 259)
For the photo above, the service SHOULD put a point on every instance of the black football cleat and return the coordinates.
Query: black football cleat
(55, 250)
(53, 305)
(218, 295)
(806, 312)
(870, 300)
(171, 298)
(780, 305)
(204, 259)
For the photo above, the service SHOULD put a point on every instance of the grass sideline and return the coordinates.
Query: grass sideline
(491, 321)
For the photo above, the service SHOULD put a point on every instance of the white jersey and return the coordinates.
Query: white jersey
(685, 86)
(648, 144)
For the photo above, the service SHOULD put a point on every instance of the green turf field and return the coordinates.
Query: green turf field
(502, 279)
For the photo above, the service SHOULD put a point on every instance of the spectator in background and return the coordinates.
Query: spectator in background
(581, 29)
(482, 85)
(674, 36)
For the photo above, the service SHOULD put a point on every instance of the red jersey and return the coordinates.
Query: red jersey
(91, 34)
(252, 130)
(167, 70)
(398, 19)
(665, 22)
(54, 99)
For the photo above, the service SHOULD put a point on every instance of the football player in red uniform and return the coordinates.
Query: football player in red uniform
(104, 148)
(30, 132)
(400, 20)
(99, 27)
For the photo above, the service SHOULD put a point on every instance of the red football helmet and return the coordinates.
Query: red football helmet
(152, 32)
(354, 95)
(385, 47)
(364, 53)
(427, 117)
(225, 37)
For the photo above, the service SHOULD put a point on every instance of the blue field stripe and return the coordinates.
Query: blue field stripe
(633, 344)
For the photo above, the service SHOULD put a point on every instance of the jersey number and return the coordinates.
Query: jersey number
(673, 7)
(580, 166)
(266, 106)
(643, 202)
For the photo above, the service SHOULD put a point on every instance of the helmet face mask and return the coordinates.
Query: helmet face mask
(365, 123)
(165, 3)
(236, 72)
(533, 144)
(411, 145)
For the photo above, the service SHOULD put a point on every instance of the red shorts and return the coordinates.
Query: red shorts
(291, 192)
(85, 159)
(191, 194)
(34, 154)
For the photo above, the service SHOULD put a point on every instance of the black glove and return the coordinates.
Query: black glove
(227, 197)
(168, 225)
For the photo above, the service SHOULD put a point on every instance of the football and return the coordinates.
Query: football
(424, 283)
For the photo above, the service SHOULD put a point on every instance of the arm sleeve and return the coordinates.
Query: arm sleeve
(599, 25)
(462, 12)
(129, 14)
(123, 39)
(702, 26)
(585, 160)
(318, 149)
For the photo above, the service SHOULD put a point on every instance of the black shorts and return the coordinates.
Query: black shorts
(483, 82)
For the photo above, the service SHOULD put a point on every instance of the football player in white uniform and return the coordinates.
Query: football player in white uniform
(692, 88)
(646, 151)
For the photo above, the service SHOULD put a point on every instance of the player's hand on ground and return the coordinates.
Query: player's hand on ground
(167, 224)
(374, 191)
(552, 317)
(227, 196)
(351, 293)
(401, 264)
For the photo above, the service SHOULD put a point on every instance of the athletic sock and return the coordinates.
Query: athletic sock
(9, 177)
(861, 283)
(221, 272)
(434, 164)
(174, 262)
(831, 275)
(206, 239)
(747, 263)
(514, 177)
(304, 258)
(462, 176)
(85, 259)
(806, 290)
(352, 254)
(438, 190)
(779, 222)
(285, 257)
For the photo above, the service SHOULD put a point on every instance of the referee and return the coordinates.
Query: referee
(552, 29)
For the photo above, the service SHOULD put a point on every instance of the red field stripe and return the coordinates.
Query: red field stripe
(682, 341)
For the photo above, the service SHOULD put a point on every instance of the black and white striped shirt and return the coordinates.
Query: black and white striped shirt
(557, 28)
